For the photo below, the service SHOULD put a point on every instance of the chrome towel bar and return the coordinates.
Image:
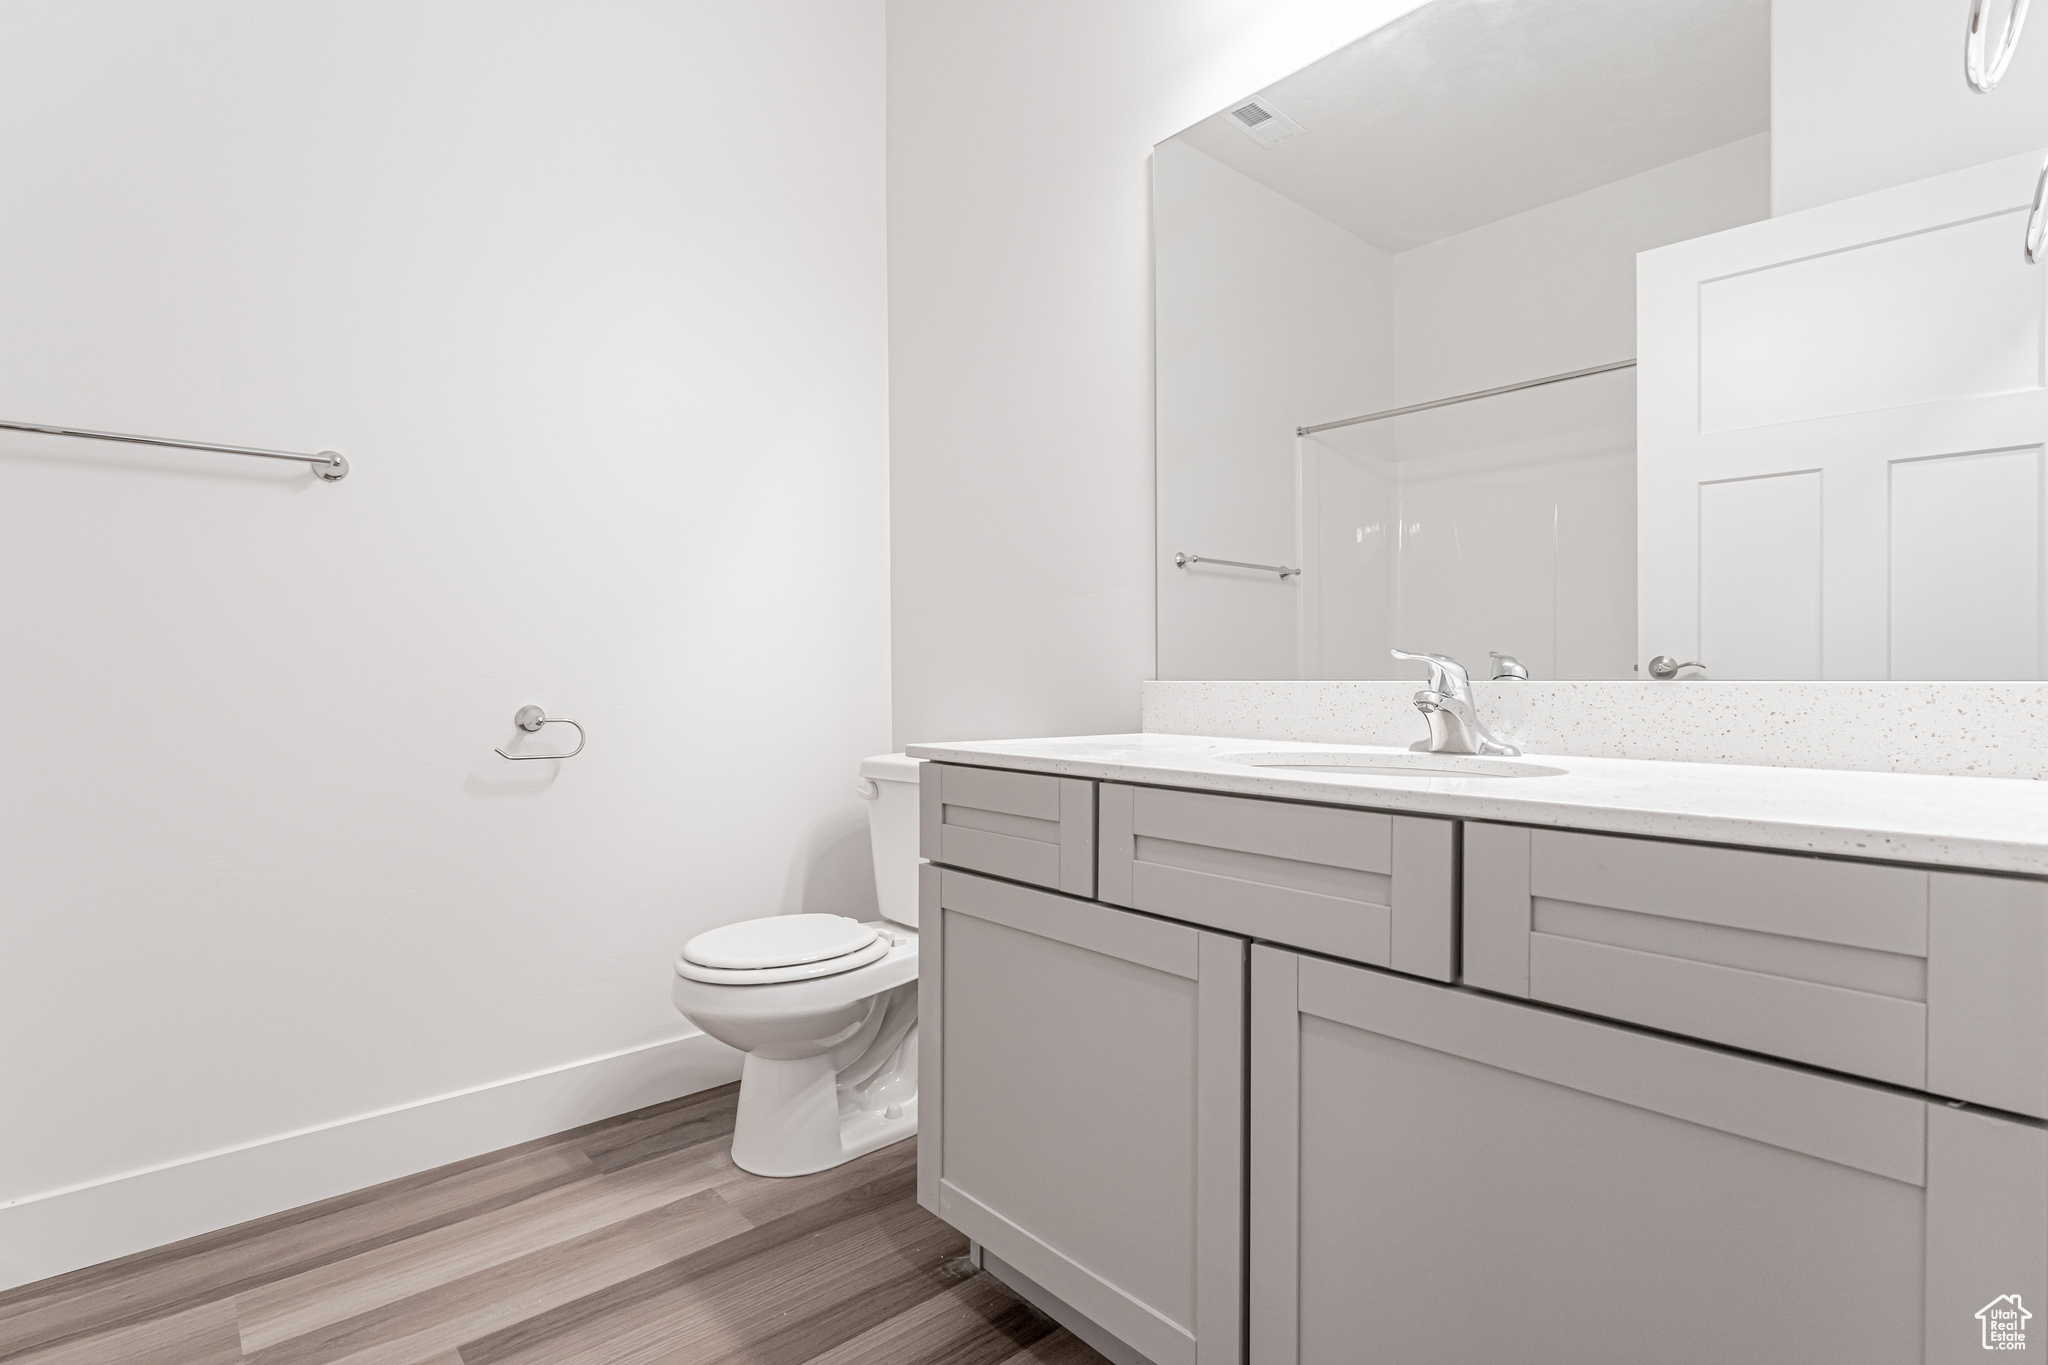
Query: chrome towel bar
(1464, 397)
(328, 464)
(530, 719)
(1182, 559)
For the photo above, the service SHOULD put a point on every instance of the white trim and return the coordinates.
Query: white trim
(60, 1230)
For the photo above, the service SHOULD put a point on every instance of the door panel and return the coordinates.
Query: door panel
(1760, 575)
(1966, 557)
(1884, 321)
(1088, 1122)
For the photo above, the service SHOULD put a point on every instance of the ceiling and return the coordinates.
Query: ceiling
(1464, 112)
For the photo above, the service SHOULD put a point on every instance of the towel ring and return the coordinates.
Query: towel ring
(530, 719)
(2037, 221)
(1983, 77)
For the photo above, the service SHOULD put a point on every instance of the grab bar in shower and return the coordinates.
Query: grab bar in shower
(1182, 559)
(328, 464)
(1464, 397)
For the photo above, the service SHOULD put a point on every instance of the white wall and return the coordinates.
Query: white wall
(1870, 93)
(1554, 289)
(1021, 335)
(593, 299)
(1269, 317)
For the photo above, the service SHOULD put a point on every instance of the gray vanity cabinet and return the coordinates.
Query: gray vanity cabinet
(1082, 1106)
(1452, 1177)
(1931, 980)
(1352, 883)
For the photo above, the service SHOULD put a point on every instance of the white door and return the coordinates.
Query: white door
(1841, 415)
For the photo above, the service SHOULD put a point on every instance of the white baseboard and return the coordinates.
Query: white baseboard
(49, 1234)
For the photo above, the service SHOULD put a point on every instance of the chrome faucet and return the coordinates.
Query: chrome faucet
(1454, 724)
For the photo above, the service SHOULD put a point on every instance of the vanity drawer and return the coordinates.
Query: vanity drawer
(1931, 980)
(1028, 827)
(1378, 889)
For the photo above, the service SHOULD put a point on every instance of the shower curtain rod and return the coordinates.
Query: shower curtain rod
(1464, 398)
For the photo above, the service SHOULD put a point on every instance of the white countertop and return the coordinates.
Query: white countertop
(1984, 823)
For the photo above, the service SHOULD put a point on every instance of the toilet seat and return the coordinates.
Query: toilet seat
(778, 941)
(778, 948)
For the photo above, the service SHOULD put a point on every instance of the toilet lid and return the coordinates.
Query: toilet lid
(778, 941)
(802, 971)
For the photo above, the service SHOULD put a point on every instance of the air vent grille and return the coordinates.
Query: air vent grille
(1258, 120)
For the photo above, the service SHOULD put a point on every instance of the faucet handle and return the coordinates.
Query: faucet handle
(1446, 675)
(1506, 667)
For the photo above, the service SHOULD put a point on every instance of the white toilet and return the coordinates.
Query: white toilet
(824, 1006)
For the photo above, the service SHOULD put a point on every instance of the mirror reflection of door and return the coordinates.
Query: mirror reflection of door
(1455, 205)
(1841, 437)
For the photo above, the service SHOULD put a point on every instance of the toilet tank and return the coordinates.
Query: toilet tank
(889, 786)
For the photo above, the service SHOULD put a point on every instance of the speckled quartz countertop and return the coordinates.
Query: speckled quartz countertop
(1983, 823)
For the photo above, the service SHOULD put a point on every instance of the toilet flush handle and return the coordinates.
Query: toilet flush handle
(866, 789)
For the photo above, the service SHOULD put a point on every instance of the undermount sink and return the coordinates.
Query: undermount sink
(1364, 763)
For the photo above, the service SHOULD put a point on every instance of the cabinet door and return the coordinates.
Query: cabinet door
(1083, 1106)
(1439, 1176)
(1352, 883)
(1930, 980)
(1028, 827)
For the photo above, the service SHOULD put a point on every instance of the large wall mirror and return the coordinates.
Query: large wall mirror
(1399, 402)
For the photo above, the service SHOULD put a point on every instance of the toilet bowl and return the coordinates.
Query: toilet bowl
(824, 1006)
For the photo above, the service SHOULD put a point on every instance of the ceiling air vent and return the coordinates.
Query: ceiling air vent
(1262, 123)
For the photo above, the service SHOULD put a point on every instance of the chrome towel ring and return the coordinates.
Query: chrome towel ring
(530, 719)
(1983, 75)
(2037, 221)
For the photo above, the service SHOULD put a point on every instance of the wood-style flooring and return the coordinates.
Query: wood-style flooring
(628, 1241)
